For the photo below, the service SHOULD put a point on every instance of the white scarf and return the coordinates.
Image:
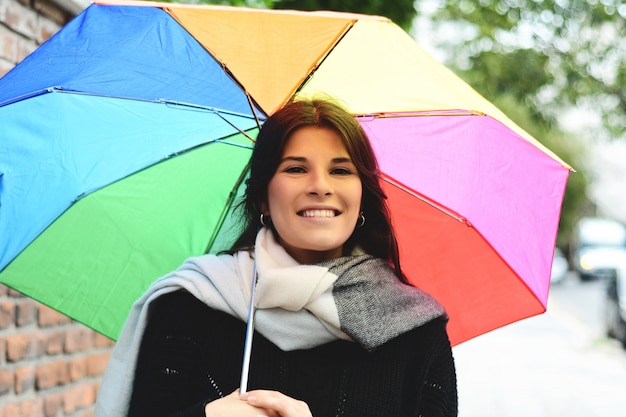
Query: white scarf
(298, 306)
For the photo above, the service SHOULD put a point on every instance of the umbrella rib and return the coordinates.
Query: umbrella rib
(156, 162)
(256, 116)
(323, 57)
(28, 95)
(215, 110)
(235, 127)
(227, 206)
(170, 103)
(391, 115)
(427, 200)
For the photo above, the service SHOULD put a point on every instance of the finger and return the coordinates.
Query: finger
(282, 404)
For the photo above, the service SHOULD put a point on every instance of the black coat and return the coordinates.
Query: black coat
(192, 354)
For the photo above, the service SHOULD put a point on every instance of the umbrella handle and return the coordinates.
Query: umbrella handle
(247, 350)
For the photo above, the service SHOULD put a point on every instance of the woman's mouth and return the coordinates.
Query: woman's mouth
(318, 213)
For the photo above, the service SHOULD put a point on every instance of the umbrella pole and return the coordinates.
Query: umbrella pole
(247, 350)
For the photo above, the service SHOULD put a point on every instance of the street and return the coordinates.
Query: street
(558, 364)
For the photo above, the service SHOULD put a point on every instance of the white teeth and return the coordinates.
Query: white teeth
(318, 213)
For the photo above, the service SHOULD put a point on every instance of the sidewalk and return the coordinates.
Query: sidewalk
(549, 365)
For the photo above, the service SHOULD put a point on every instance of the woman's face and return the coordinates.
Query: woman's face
(314, 197)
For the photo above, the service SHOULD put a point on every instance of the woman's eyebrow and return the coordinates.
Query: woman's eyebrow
(293, 158)
(338, 160)
(341, 160)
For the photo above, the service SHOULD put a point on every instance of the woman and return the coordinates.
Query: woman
(339, 332)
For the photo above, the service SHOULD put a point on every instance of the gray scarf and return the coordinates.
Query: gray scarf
(373, 305)
(355, 298)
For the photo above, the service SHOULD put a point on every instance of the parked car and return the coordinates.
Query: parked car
(615, 306)
(598, 245)
(559, 267)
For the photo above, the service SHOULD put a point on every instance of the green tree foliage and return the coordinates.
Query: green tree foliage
(561, 52)
(402, 12)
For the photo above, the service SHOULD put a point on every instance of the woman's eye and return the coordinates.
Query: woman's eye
(294, 170)
(341, 171)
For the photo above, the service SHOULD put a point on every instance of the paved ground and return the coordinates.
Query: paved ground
(553, 365)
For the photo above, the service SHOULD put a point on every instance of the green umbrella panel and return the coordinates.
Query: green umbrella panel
(132, 232)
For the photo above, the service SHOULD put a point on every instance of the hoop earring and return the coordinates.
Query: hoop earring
(362, 218)
(262, 219)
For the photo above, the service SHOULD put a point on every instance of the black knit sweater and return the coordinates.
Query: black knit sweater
(192, 354)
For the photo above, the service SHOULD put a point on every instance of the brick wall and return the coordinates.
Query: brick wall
(50, 366)
(26, 24)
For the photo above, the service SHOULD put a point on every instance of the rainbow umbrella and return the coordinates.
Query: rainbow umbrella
(126, 136)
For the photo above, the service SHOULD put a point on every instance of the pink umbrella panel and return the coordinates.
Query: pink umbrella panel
(494, 234)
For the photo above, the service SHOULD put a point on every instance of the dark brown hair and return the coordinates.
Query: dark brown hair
(376, 236)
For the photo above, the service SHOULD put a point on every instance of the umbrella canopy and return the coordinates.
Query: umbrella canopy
(126, 136)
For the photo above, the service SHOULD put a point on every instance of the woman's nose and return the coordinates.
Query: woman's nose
(319, 184)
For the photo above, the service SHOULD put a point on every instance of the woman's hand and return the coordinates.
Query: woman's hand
(278, 404)
(258, 403)
(232, 405)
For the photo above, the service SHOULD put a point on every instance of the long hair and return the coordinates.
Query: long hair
(376, 236)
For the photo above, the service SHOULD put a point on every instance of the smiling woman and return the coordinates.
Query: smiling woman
(314, 198)
(338, 331)
(375, 236)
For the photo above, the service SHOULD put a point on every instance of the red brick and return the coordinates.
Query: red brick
(49, 317)
(6, 381)
(17, 346)
(21, 19)
(101, 341)
(96, 386)
(78, 368)
(47, 28)
(25, 408)
(15, 294)
(52, 374)
(8, 48)
(54, 342)
(7, 313)
(78, 397)
(24, 48)
(4, 290)
(88, 395)
(25, 312)
(5, 66)
(38, 405)
(70, 400)
(13, 410)
(52, 404)
(51, 12)
(24, 379)
(25, 346)
(97, 363)
(78, 339)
